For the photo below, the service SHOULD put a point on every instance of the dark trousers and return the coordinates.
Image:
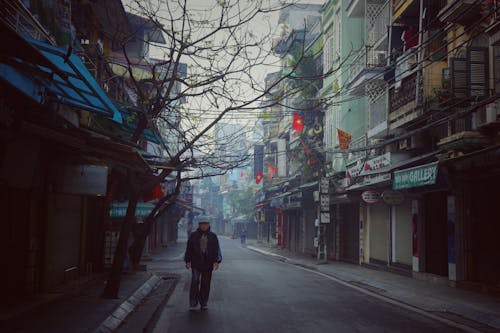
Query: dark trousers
(200, 287)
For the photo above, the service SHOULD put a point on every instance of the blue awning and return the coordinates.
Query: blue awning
(55, 73)
(131, 121)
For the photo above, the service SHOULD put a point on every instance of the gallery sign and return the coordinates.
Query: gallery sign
(414, 177)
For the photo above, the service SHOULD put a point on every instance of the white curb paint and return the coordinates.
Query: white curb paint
(113, 321)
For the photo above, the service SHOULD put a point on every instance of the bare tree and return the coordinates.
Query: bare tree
(224, 58)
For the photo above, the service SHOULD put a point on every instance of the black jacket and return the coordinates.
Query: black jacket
(199, 261)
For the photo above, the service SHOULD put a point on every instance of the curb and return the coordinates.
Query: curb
(387, 299)
(114, 320)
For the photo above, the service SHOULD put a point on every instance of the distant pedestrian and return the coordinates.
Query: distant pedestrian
(243, 236)
(203, 255)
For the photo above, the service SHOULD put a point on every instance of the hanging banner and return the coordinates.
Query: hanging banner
(344, 139)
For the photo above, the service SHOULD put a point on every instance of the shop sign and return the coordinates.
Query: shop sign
(83, 180)
(393, 198)
(325, 217)
(325, 185)
(370, 197)
(119, 209)
(293, 204)
(414, 177)
(374, 164)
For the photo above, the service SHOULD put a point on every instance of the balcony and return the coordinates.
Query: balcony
(357, 143)
(365, 66)
(377, 117)
(377, 23)
(15, 15)
(460, 134)
(402, 102)
(462, 12)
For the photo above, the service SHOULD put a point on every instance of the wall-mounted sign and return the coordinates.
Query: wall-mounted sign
(365, 173)
(414, 177)
(119, 209)
(83, 180)
(393, 198)
(370, 197)
(325, 185)
(325, 217)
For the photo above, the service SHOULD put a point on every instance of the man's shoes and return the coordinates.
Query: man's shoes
(204, 307)
(193, 308)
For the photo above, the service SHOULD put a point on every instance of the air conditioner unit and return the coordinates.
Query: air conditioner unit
(487, 115)
(491, 112)
(405, 144)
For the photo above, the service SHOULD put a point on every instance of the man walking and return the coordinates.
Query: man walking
(202, 256)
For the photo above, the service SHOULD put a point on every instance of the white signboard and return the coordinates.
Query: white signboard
(325, 217)
(83, 180)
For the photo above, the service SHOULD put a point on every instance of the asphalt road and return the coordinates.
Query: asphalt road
(254, 293)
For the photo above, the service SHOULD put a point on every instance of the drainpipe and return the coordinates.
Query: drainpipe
(420, 52)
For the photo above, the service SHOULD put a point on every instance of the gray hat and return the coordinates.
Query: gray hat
(203, 219)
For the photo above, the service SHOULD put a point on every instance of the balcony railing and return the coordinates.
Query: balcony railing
(459, 133)
(367, 58)
(378, 111)
(357, 143)
(454, 11)
(19, 18)
(377, 25)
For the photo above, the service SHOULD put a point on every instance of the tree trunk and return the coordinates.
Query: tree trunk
(138, 245)
(113, 284)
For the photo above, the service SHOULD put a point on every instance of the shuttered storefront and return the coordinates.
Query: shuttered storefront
(378, 217)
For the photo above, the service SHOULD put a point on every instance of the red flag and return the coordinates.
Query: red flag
(259, 177)
(271, 170)
(156, 193)
(344, 139)
(298, 123)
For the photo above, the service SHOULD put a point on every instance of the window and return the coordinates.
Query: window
(328, 53)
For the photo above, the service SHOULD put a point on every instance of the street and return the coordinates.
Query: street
(255, 293)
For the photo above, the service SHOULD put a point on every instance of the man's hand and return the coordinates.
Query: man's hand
(188, 265)
(216, 266)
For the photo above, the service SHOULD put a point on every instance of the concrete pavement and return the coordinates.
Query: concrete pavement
(83, 310)
(254, 293)
(470, 308)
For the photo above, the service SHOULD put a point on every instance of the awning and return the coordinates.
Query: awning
(262, 204)
(53, 72)
(308, 185)
(401, 9)
(484, 158)
(131, 121)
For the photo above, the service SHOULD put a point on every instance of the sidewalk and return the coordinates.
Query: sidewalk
(469, 308)
(82, 310)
